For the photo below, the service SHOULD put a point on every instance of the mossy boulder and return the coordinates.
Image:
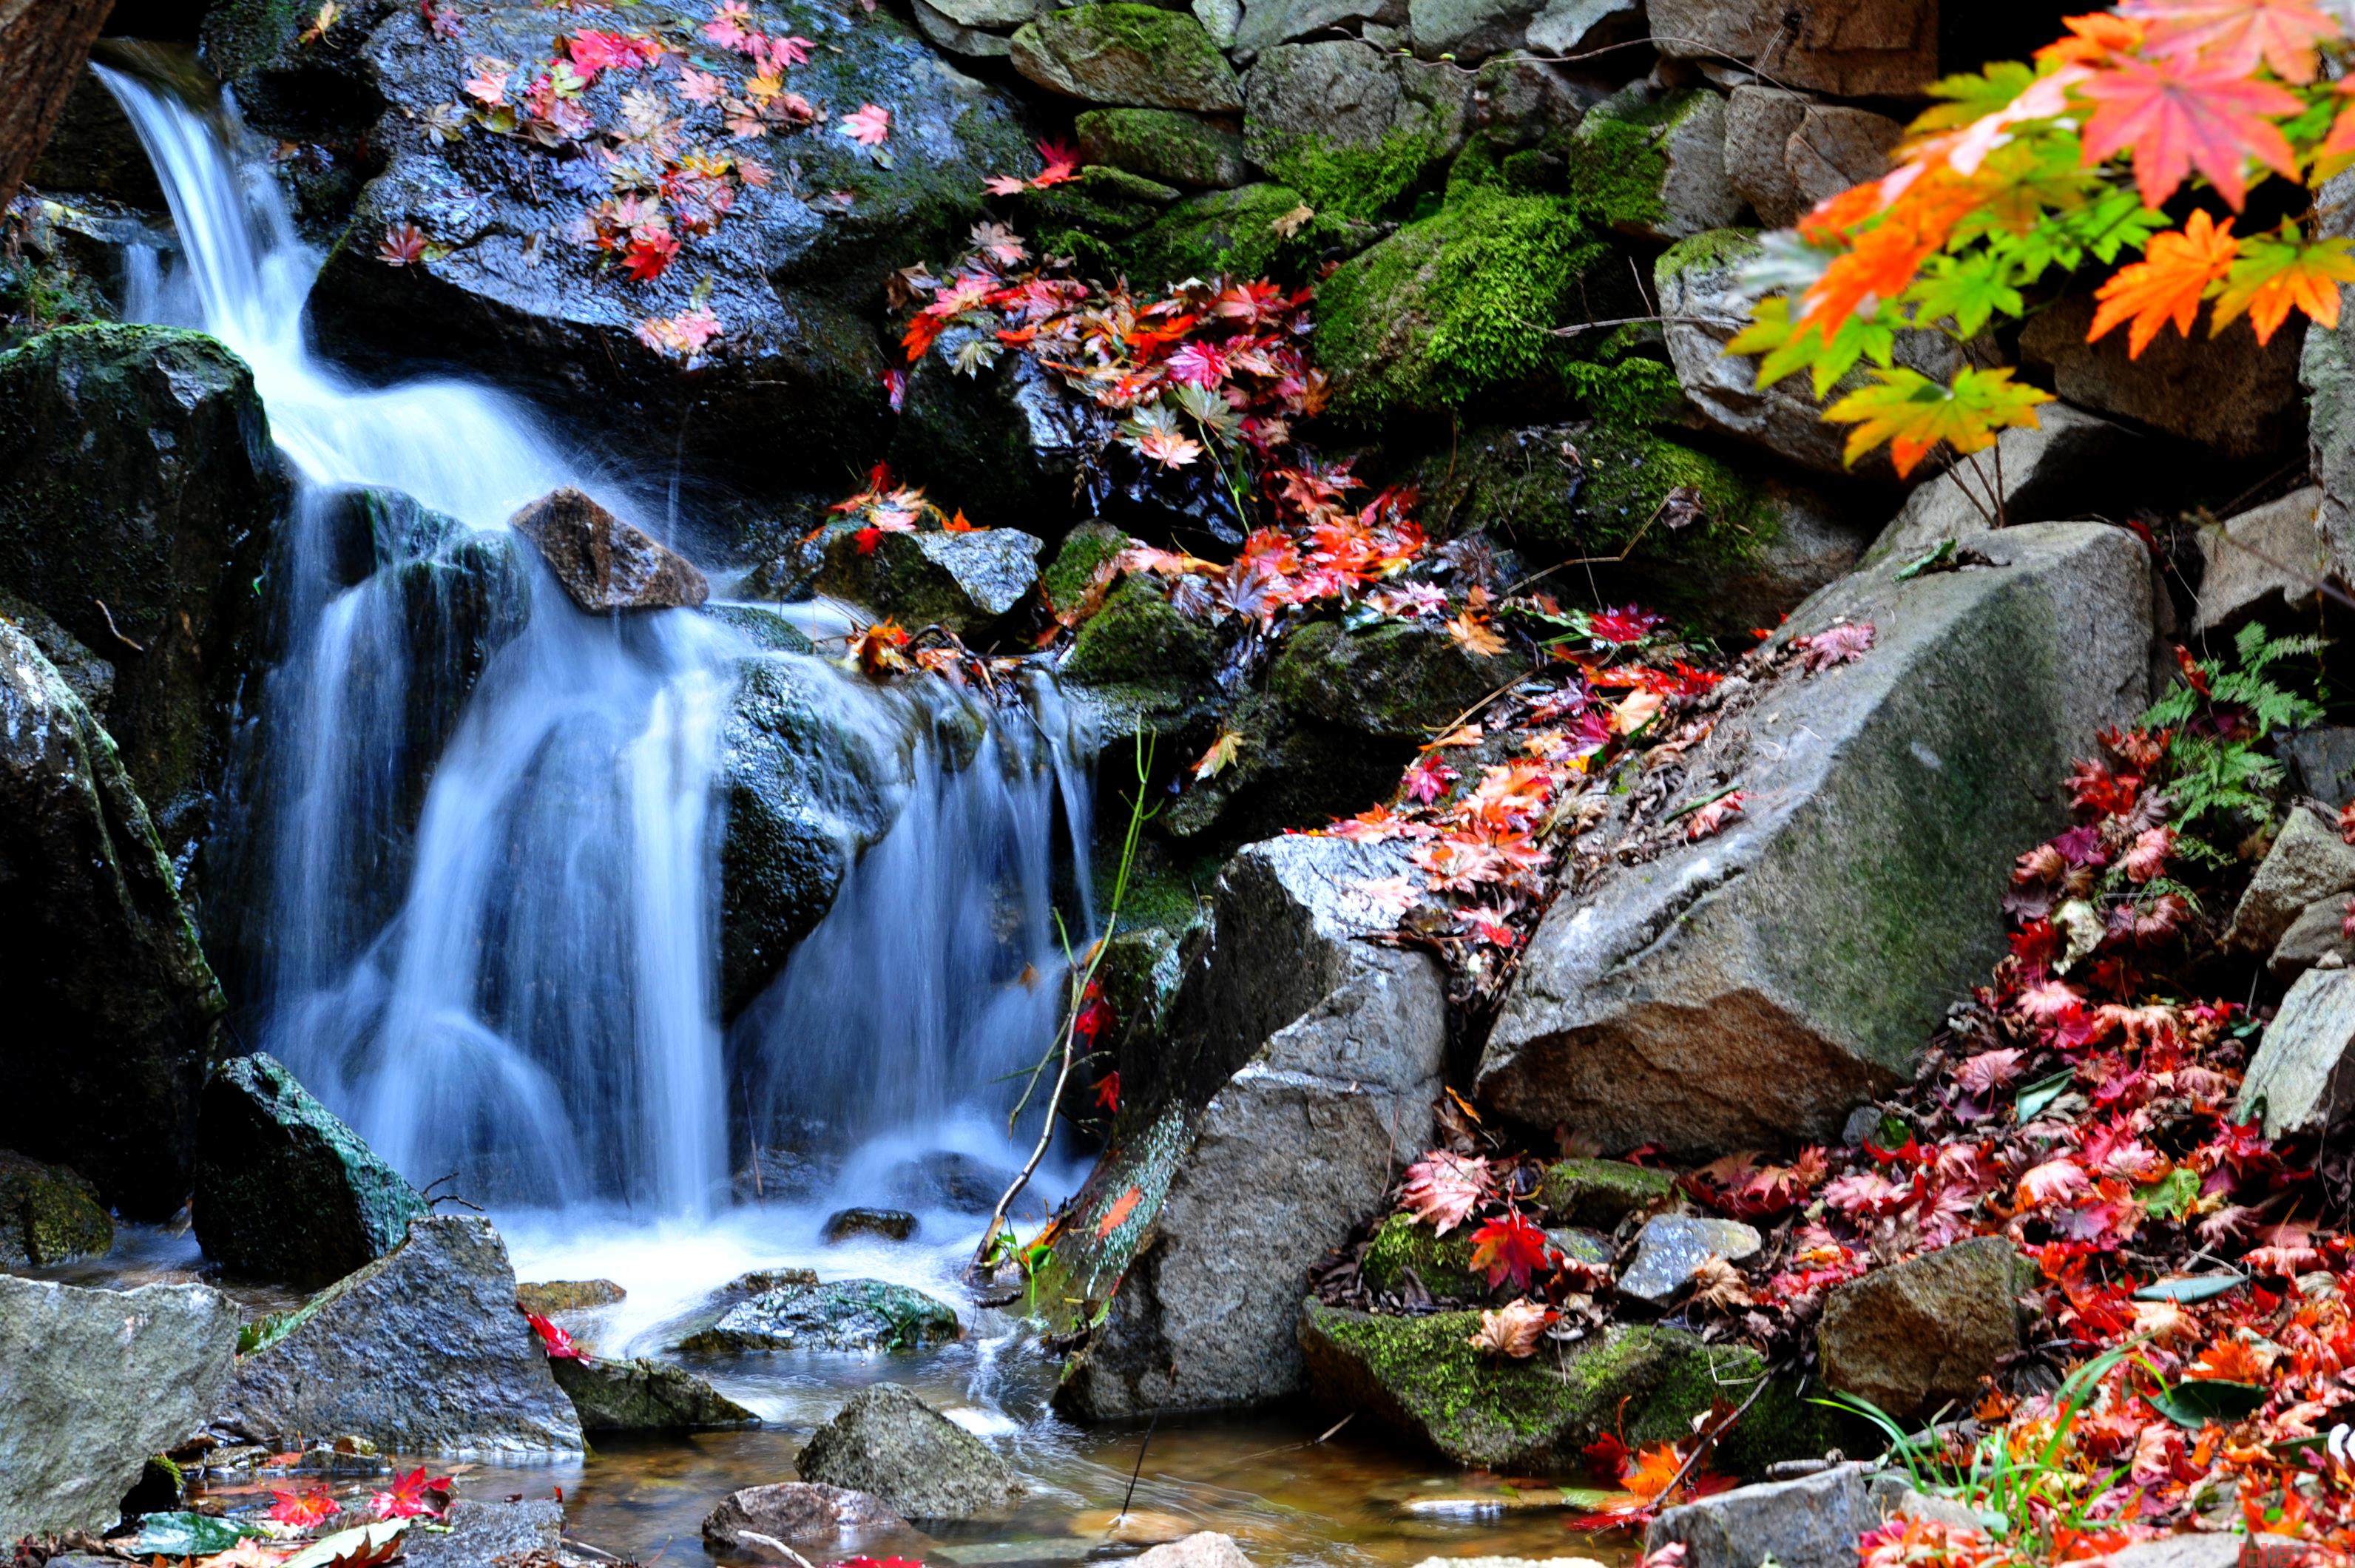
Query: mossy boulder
(1352, 128)
(1080, 567)
(1394, 680)
(139, 497)
(1443, 1263)
(966, 583)
(643, 1396)
(1600, 1192)
(1459, 305)
(48, 1214)
(1088, 217)
(1163, 144)
(1259, 230)
(1120, 53)
(840, 1315)
(1652, 165)
(1421, 1377)
(284, 1191)
(1139, 637)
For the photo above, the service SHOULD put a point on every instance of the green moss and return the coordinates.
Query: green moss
(1615, 161)
(1443, 1264)
(1459, 304)
(1394, 679)
(1138, 637)
(48, 1215)
(1600, 1192)
(1083, 552)
(1630, 473)
(1162, 145)
(1148, 30)
(1627, 391)
(1235, 232)
(1711, 250)
(1351, 182)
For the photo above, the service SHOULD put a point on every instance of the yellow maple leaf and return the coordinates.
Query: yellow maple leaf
(2272, 275)
(1221, 756)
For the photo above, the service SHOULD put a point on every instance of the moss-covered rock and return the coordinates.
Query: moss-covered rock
(840, 1315)
(643, 1396)
(1089, 217)
(1421, 1377)
(966, 583)
(48, 1214)
(1394, 680)
(1259, 230)
(1081, 563)
(1443, 1264)
(1121, 53)
(1163, 144)
(1653, 163)
(1456, 306)
(1139, 637)
(1600, 1192)
(1352, 128)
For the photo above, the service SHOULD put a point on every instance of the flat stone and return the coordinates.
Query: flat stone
(643, 1396)
(422, 1351)
(890, 1444)
(93, 1382)
(1850, 48)
(1568, 27)
(1001, 14)
(2058, 468)
(549, 1296)
(2263, 563)
(840, 1315)
(1119, 53)
(1812, 1522)
(2300, 1080)
(1761, 983)
(1670, 1249)
(892, 1224)
(48, 1214)
(284, 1189)
(1203, 1549)
(605, 563)
(791, 1511)
(1922, 1333)
(2318, 929)
(2228, 392)
(1267, 23)
(2307, 861)
(489, 1532)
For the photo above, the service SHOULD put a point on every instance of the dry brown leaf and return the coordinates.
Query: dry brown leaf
(1511, 1329)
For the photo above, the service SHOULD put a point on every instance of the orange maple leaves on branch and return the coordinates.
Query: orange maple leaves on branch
(2021, 174)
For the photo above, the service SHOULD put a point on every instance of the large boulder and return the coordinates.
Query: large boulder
(422, 1351)
(93, 1382)
(788, 267)
(890, 1444)
(643, 1396)
(2228, 392)
(139, 495)
(1121, 53)
(1757, 983)
(48, 1214)
(283, 1189)
(117, 1013)
(2302, 1079)
(1923, 1333)
(1786, 150)
(1349, 127)
(1850, 48)
(1261, 1161)
(605, 563)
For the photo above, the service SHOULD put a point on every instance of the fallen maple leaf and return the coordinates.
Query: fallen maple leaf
(412, 1496)
(869, 125)
(557, 1343)
(1221, 756)
(1843, 643)
(1442, 1189)
(1712, 817)
(1510, 1247)
(403, 245)
(1511, 1329)
(1718, 1284)
(311, 1505)
(1474, 635)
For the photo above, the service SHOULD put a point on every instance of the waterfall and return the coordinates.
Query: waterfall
(482, 826)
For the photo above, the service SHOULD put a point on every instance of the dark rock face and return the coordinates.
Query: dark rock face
(115, 1013)
(284, 1189)
(891, 1443)
(138, 494)
(95, 1382)
(422, 1351)
(797, 1510)
(48, 1214)
(790, 270)
(605, 563)
(892, 1224)
(840, 1315)
(643, 1396)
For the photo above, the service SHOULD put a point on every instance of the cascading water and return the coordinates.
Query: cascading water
(520, 988)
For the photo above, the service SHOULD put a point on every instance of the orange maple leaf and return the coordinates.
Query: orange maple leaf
(1122, 1208)
(2237, 33)
(1650, 1471)
(2274, 274)
(2175, 117)
(2166, 284)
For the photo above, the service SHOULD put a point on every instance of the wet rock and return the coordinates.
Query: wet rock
(489, 1532)
(1119, 53)
(48, 1214)
(966, 583)
(1761, 983)
(761, 1279)
(1704, 304)
(1307, 104)
(1164, 145)
(2307, 861)
(283, 1189)
(890, 1444)
(789, 1511)
(1812, 1522)
(1850, 48)
(1282, 1149)
(1394, 680)
(1419, 1377)
(1509, 1562)
(96, 1381)
(1139, 638)
(2319, 931)
(1923, 1333)
(88, 677)
(2227, 392)
(2300, 1081)
(2058, 469)
(1673, 144)
(139, 496)
(92, 148)
(1785, 151)
(1203, 1549)
(957, 1182)
(2266, 563)
(1601, 1192)
(840, 1315)
(1672, 1248)
(422, 1351)
(892, 1224)
(549, 1296)
(950, 34)
(643, 1396)
(605, 563)
(115, 1011)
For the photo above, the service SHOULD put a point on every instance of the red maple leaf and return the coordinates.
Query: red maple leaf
(2236, 33)
(648, 253)
(1510, 1247)
(1122, 1208)
(315, 1505)
(559, 1344)
(2175, 117)
(413, 1497)
(1108, 1092)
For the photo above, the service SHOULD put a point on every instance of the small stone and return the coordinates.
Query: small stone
(549, 1298)
(2228, 392)
(1812, 1522)
(605, 563)
(2300, 1080)
(2318, 937)
(48, 1215)
(842, 1315)
(892, 1224)
(1600, 1192)
(2307, 861)
(1785, 151)
(2264, 563)
(1267, 23)
(1924, 1332)
(1120, 53)
(791, 1511)
(643, 1395)
(1203, 1549)
(1591, 1248)
(761, 1279)
(1670, 1249)
(888, 1442)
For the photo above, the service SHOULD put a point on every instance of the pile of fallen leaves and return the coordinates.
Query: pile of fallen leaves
(2195, 1304)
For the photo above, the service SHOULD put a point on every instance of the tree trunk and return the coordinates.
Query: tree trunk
(42, 46)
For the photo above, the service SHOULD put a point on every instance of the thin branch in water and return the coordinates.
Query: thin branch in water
(1130, 1496)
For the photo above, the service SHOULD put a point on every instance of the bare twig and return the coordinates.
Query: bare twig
(1709, 1442)
(114, 630)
